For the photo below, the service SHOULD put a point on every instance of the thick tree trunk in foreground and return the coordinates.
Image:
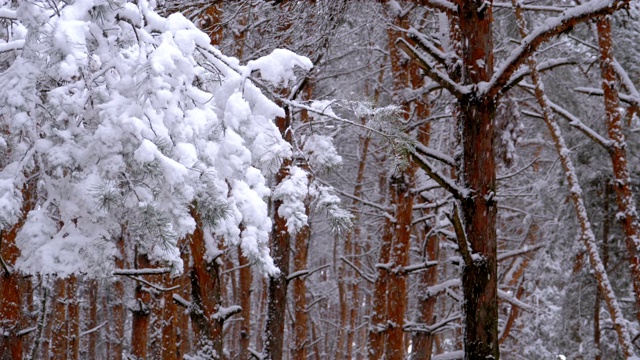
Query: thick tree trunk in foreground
(479, 275)
(170, 321)
(141, 314)
(205, 293)
(280, 251)
(10, 282)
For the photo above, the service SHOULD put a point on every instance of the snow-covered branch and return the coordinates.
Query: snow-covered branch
(444, 181)
(139, 272)
(434, 154)
(543, 66)
(543, 33)
(430, 69)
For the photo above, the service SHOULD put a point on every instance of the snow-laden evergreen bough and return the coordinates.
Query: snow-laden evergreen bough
(127, 121)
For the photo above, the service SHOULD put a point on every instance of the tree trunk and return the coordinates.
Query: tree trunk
(141, 311)
(478, 174)
(11, 346)
(205, 295)
(618, 152)
(60, 326)
(378, 322)
(245, 303)
(73, 318)
(118, 315)
(277, 289)
(301, 317)
(92, 318)
(170, 321)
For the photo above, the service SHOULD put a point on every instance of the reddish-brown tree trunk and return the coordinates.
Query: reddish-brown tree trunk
(183, 341)
(60, 326)
(205, 295)
(11, 346)
(277, 288)
(116, 345)
(245, 303)
(479, 276)
(92, 318)
(301, 317)
(170, 321)
(618, 152)
(141, 314)
(73, 317)
(378, 321)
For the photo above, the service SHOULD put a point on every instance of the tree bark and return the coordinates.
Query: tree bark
(73, 318)
(116, 345)
(92, 318)
(245, 303)
(280, 240)
(11, 346)
(205, 295)
(478, 174)
(141, 311)
(60, 326)
(170, 321)
(301, 317)
(622, 184)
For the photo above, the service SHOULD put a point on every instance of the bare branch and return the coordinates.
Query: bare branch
(461, 236)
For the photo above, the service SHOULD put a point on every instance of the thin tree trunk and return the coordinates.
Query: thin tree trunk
(73, 317)
(92, 318)
(170, 321)
(60, 327)
(116, 345)
(575, 190)
(301, 317)
(245, 303)
(378, 322)
(618, 152)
